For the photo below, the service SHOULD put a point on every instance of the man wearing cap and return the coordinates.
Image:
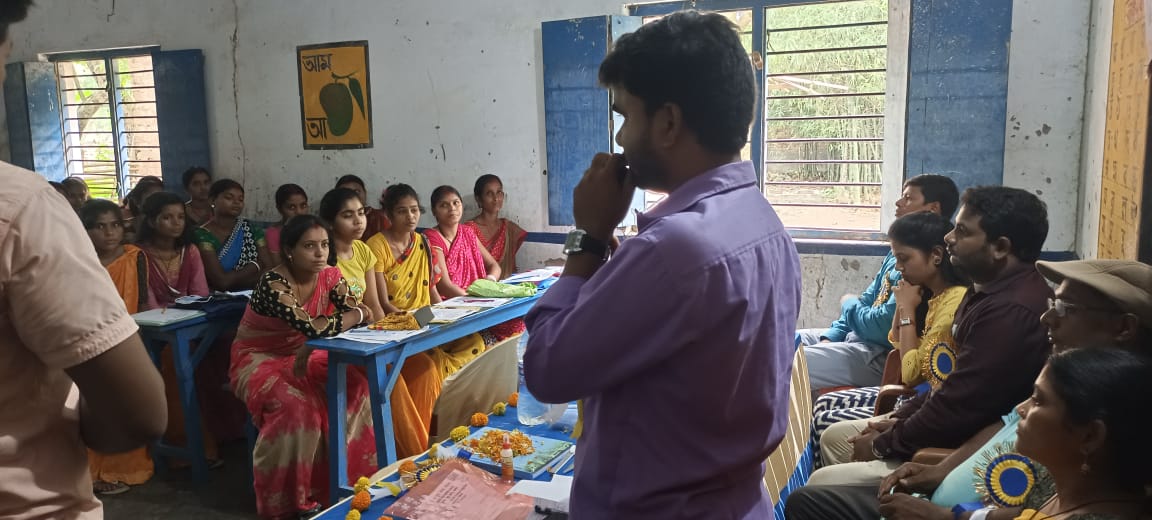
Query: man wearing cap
(1098, 304)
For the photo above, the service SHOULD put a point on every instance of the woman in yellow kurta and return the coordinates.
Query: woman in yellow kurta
(415, 392)
(128, 267)
(929, 292)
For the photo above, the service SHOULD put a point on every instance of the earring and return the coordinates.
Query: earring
(935, 261)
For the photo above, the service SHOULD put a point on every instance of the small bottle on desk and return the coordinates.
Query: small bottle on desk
(507, 473)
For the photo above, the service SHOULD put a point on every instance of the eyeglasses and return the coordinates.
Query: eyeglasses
(1062, 307)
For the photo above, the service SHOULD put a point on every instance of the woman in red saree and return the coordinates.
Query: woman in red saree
(281, 380)
(500, 236)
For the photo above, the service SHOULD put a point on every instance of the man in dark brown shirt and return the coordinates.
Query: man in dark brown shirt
(1001, 344)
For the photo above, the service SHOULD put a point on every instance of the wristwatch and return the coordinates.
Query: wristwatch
(905, 321)
(579, 242)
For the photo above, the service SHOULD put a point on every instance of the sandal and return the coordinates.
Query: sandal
(307, 515)
(101, 487)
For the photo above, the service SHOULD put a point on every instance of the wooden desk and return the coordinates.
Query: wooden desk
(181, 335)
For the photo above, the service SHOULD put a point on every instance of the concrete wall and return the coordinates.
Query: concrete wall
(456, 93)
(1044, 128)
(1095, 105)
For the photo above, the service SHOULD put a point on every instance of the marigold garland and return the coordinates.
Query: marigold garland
(361, 501)
(408, 466)
(459, 433)
(362, 484)
(513, 399)
(499, 409)
(479, 420)
(352, 515)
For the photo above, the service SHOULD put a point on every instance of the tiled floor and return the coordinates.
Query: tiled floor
(226, 496)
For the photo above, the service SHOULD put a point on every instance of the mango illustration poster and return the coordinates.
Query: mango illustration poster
(335, 98)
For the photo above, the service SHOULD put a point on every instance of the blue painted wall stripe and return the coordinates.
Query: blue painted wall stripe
(182, 113)
(576, 109)
(32, 105)
(958, 89)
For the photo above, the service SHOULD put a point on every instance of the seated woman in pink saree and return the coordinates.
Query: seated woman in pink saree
(175, 270)
(462, 258)
(281, 380)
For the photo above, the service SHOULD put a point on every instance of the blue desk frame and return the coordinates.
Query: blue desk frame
(376, 358)
(181, 335)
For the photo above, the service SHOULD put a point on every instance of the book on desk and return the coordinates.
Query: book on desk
(164, 316)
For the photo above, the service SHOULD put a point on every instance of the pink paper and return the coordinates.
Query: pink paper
(460, 490)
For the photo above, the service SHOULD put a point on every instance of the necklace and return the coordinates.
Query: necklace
(399, 248)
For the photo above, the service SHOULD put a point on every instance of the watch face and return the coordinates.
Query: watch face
(572, 242)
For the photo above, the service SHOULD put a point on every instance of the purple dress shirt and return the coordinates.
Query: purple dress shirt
(681, 346)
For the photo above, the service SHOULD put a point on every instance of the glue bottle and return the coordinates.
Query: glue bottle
(506, 471)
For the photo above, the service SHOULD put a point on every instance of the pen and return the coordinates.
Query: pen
(558, 468)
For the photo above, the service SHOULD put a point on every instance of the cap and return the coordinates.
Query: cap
(1125, 282)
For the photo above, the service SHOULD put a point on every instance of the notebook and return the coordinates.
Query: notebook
(527, 466)
(161, 317)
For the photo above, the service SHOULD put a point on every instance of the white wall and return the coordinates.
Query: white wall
(1047, 63)
(456, 93)
(1095, 107)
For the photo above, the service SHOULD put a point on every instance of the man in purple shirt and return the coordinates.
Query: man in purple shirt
(681, 346)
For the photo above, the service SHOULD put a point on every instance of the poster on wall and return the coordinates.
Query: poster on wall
(335, 95)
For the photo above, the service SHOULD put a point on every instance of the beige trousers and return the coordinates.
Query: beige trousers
(839, 470)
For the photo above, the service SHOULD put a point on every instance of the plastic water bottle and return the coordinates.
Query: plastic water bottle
(529, 411)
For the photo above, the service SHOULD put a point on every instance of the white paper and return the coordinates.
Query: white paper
(535, 275)
(475, 301)
(550, 495)
(381, 337)
(450, 314)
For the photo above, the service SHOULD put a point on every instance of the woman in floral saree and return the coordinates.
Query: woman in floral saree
(281, 380)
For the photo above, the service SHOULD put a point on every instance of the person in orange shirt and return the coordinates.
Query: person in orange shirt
(128, 267)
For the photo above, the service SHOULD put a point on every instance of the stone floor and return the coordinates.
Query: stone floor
(226, 496)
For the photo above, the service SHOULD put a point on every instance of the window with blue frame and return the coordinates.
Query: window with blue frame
(108, 119)
(818, 143)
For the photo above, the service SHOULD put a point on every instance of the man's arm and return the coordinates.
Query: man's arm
(863, 316)
(588, 335)
(44, 263)
(849, 310)
(995, 369)
(121, 398)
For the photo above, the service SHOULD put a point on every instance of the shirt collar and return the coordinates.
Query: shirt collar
(1008, 278)
(717, 180)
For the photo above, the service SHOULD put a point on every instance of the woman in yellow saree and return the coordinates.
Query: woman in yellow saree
(128, 267)
(407, 281)
(404, 262)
